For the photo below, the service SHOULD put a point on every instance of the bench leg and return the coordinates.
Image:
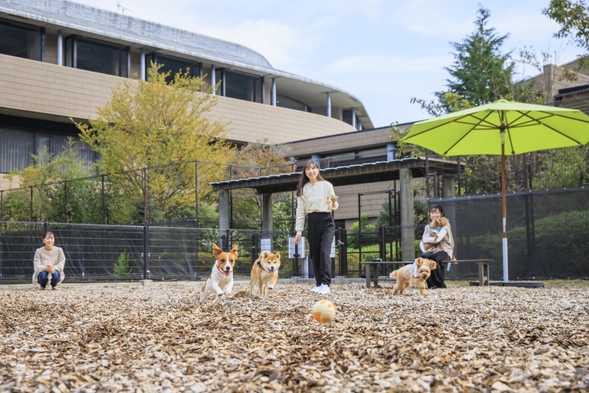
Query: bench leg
(375, 276)
(483, 274)
(367, 267)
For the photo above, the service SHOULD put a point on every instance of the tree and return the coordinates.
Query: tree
(150, 136)
(62, 189)
(573, 17)
(481, 73)
(253, 160)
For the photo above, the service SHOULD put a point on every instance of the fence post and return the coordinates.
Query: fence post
(342, 243)
(145, 252)
(255, 248)
(102, 199)
(65, 201)
(145, 195)
(31, 204)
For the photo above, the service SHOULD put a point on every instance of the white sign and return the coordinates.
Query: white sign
(266, 245)
(291, 248)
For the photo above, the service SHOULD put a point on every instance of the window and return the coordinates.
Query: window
(348, 117)
(96, 56)
(17, 147)
(21, 40)
(290, 103)
(172, 65)
(240, 86)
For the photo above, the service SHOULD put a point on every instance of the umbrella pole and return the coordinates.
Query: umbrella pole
(504, 210)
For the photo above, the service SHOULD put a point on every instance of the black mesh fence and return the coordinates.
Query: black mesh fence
(545, 233)
(546, 239)
(132, 252)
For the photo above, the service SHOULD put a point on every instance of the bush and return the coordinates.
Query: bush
(122, 268)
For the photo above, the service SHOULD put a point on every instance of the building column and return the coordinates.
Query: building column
(354, 117)
(142, 64)
(391, 151)
(317, 159)
(213, 79)
(273, 98)
(328, 104)
(407, 215)
(263, 92)
(59, 48)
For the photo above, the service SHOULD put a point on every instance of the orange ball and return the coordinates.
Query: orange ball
(323, 311)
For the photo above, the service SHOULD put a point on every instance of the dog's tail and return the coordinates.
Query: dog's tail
(393, 274)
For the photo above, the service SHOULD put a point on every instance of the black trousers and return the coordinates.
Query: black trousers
(320, 234)
(436, 278)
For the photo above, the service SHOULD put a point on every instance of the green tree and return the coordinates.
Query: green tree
(150, 135)
(253, 160)
(63, 189)
(480, 73)
(573, 18)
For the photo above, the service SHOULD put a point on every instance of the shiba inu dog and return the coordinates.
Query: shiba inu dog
(265, 272)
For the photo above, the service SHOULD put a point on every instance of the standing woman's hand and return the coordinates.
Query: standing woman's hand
(297, 238)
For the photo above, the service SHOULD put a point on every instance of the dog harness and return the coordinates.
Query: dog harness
(413, 269)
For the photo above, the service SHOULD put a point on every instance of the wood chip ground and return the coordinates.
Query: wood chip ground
(133, 338)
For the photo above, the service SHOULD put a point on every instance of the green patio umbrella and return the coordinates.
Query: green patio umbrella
(501, 128)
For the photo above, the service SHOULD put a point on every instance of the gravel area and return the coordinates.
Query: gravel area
(134, 338)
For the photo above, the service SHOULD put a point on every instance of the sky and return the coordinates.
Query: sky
(383, 52)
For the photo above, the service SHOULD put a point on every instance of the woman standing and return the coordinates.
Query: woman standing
(442, 245)
(48, 262)
(316, 198)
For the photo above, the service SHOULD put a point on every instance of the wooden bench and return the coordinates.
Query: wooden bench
(374, 264)
(484, 275)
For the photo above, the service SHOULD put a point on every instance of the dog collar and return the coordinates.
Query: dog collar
(262, 267)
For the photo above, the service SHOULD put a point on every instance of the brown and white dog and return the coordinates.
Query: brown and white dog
(220, 282)
(265, 272)
(416, 273)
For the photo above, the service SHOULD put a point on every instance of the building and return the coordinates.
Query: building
(60, 60)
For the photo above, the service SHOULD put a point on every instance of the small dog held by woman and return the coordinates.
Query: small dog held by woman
(416, 273)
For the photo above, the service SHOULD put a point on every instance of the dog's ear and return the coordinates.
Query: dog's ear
(419, 262)
(234, 251)
(216, 250)
(264, 254)
(277, 255)
(432, 264)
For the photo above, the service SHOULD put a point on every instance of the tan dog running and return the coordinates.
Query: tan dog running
(416, 273)
(220, 282)
(265, 272)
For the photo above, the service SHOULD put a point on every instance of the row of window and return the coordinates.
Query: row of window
(25, 41)
(17, 147)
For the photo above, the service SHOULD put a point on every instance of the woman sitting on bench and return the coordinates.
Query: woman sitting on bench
(437, 244)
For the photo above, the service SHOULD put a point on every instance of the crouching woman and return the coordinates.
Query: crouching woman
(48, 263)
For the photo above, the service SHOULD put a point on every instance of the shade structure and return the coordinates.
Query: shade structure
(501, 128)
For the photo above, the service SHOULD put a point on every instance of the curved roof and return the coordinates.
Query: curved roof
(75, 18)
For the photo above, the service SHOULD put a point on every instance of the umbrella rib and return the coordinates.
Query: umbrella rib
(541, 121)
(475, 125)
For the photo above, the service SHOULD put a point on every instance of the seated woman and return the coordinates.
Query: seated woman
(48, 263)
(439, 247)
